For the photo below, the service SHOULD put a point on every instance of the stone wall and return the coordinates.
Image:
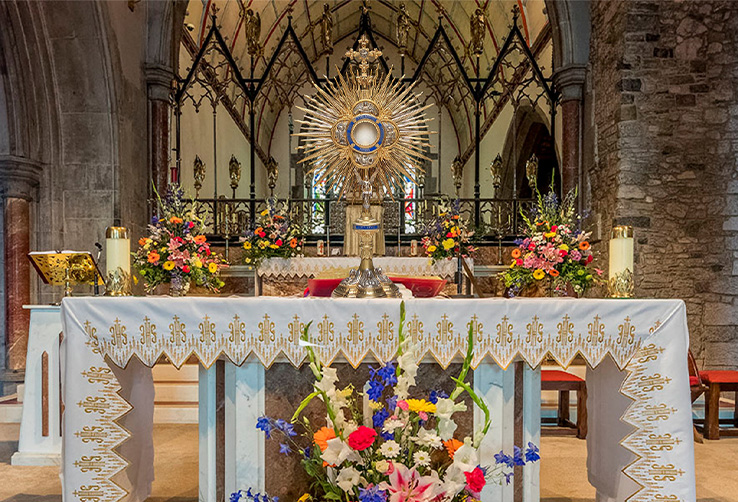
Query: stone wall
(665, 122)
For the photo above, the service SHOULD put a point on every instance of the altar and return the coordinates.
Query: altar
(640, 442)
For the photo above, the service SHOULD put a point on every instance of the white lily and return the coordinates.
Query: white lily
(338, 452)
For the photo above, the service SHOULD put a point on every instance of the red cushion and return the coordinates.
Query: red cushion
(558, 376)
(718, 376)
(693, 381)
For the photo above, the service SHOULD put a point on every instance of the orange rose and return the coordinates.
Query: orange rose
(322, 436)
(153, 257)
(515, 253)
(142, 241)
(293, 243)
(584, 245)
(175, 220)
(200, 239)
(451, 446)
(554, 273)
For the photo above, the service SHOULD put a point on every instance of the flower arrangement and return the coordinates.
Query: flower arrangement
(447, 235)
(273, 237)
(406, 451)
(176, 251)
(554, 250)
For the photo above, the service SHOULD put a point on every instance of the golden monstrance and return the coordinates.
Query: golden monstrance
(365, 134)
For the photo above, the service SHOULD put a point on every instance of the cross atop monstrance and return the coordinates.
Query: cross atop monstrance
(363, 57)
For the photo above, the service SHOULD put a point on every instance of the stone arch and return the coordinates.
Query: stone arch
(570, 25)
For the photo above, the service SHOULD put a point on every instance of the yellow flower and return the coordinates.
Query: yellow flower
(431, 249)
(273, 246)
(247, 245)
(248, 260)
(375, 406)
(548, 235)
(197, 263)
(213, 267)
(564, 247)
(265, 212)
(347, 391)
(168, 265)
(418, 405)
(448, 243)
(263, 244)
(539, 274)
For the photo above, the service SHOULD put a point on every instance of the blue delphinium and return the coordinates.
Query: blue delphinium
(435, 395)
(518, 456)
(253, 497)
(265, 424)
(284, 448)
(379, 418)
(376, 387)
(372, 493)
(532, 453)
(287, 428)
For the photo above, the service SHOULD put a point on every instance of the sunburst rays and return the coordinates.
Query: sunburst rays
(331, 145)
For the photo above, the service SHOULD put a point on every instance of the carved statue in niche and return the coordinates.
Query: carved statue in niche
(477, 24)
(326, 29)
(252, 27)
(403, 27)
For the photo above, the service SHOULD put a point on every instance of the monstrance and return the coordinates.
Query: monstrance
(365, 134)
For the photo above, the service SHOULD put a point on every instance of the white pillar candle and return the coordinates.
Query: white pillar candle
(118, 260)
(413, 248)
(621, 251)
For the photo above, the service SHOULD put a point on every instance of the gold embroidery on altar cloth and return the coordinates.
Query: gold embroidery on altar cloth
(177, 332)
(90, 463)
(653, 382)
(92, 340)
(666, 497)
(626, 332)
(89, 493)
(476, 327)
(266, 329)
(355, 329)
(534, 331)
(445, 329)
(504, 332)
(98, 375)
(238, 330)
(296, 328)
(657, 412)
(92, 434)
(415, 328)
(596, 330)
(649, 353)
(148, 332)
(666, 472)
(565, 330)
(384, 328)
(660, 442)
(325, 330)
(94, 405)
(118, 333)
(207, 330)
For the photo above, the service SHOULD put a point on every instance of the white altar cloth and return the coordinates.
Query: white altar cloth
(313, 266)
(108, 393)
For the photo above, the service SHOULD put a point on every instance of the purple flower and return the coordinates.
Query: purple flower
(287, 428)
(392, 402)
(504, 459)
(435, 395)
(508, 477)
(265, 424)
(518, 456)
(284, 448)
(307, 452)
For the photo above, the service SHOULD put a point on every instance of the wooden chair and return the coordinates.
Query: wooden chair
(718, 381)
(696, 387)
(565, 382)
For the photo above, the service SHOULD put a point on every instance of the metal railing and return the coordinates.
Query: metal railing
(403, 219)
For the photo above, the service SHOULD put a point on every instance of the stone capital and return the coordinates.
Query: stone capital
(569, 82)
(158, 81)
(19, 176)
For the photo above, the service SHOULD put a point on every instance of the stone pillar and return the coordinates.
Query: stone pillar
(159, 84)
(18, 179)
(569, 82)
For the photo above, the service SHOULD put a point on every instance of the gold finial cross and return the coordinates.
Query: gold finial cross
(363, 57)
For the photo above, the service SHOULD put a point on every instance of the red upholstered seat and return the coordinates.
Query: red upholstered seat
(719, 376)
(558, 376)
(693, 381)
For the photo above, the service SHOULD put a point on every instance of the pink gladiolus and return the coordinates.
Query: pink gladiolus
(406, 485)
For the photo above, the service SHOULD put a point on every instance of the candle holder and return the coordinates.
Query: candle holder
(118, 262)
(620, 283)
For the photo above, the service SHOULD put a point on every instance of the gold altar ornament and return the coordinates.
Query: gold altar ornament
(365, 134)
(620, 283)
(234, 170)
(531, 171)
(117, 262)
(66, 268)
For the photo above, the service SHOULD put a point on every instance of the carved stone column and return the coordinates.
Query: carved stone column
(569, 82)
(159, 84)
(18, 181)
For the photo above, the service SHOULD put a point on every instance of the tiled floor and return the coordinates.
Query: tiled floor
(563, 469)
